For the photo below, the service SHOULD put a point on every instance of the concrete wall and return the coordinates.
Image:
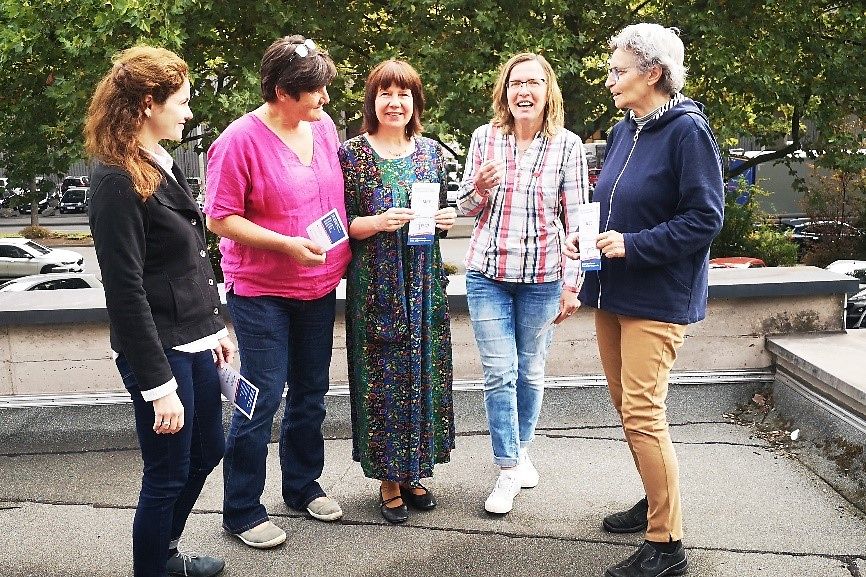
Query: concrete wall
(58, 344)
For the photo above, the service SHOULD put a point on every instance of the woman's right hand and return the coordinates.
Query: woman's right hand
(168, 414)
(304, 251)
(489, 176)
(393, 219)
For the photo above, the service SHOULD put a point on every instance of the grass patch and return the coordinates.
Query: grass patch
(44, 234)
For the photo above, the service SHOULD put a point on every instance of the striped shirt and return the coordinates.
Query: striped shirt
(521, 224)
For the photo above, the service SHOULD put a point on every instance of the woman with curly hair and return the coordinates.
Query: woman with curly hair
(161, 296)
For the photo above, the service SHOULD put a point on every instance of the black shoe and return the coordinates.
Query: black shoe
(630, 521)
(648, 561)
(423, 502)
(192, 565)
(392, 514)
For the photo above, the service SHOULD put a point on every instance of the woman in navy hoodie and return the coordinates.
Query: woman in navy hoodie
(661, 199)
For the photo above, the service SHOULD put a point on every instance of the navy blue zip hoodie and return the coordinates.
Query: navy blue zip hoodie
(662, 188)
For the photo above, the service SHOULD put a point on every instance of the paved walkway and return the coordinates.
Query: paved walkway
(749, 511)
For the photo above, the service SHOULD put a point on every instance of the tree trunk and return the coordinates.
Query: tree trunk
(34, 205)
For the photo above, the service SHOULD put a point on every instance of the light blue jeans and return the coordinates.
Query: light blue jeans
(506, 318)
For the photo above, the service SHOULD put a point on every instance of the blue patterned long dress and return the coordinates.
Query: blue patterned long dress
(398, 336)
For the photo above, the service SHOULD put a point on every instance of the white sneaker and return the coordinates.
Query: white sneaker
(501, 499)
(526, 471)
(324, 509)
(263, 536)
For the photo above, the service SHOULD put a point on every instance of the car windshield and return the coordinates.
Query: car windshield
(74, 196)
(38, 247)
(5, 284)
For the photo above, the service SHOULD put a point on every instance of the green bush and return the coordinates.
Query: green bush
(775, 248)
(823, 253)
(745, 232)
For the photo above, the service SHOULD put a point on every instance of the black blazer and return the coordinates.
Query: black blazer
(160, 289)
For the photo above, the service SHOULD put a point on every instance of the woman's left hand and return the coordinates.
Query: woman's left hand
(568, 304)
(611, 244)
(225, 352)
(446, 217)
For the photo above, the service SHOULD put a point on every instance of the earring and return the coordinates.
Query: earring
(147, 112)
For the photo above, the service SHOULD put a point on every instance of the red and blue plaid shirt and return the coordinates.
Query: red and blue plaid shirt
(521, 225)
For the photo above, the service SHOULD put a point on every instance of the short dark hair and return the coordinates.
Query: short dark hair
(294, 73)
(384, 75)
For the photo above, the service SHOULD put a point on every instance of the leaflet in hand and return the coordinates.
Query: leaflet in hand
(588, 216)
(239, 390)
(546, 326)
(425, 203)
(328, 231)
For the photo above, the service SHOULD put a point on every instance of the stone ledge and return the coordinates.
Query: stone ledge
(827, 364)
(88, 305)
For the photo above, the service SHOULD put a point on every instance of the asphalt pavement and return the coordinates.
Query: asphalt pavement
(750, 510)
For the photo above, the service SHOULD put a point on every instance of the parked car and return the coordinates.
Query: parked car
(24, 207)
(22, 256)
(452, 167)
(71, 181)
(807, 233)
(855, 268)
(855, 310)
(736, 262)
(50, 281)
(75, 199)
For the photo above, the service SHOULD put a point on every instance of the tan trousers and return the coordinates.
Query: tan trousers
(637, 356)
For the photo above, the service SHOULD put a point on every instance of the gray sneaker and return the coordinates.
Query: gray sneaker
(263, 536)
(193, 565)
(324, 509)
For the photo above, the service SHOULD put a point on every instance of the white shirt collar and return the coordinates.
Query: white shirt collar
(162, 158)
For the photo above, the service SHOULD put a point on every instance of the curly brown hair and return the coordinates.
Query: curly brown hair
(116, 112)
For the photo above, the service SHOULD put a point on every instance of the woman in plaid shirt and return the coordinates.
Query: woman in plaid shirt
(525, 177)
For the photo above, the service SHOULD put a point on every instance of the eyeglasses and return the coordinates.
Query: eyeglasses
(531, 83)
(303, 50)
(616, 73)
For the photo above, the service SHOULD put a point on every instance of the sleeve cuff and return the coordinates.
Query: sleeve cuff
(161, 391)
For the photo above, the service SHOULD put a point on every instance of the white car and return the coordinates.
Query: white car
(22, 256)
(855, 268)
(50, 281)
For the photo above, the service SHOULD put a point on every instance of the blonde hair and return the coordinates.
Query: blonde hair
(116, 112)
(554, 111)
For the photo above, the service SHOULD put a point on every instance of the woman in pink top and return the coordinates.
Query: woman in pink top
(270, 174)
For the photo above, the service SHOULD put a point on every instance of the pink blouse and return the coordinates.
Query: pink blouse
(253, 174)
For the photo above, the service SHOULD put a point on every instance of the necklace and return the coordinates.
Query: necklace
(394, 151)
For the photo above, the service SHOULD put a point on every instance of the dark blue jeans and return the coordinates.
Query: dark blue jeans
(281, 342)
(175, 466)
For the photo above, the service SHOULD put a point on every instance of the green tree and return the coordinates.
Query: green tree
(765, 68)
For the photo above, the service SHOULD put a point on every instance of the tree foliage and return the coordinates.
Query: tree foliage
(766, 69)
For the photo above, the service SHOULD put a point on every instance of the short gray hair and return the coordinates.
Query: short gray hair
(653, 44)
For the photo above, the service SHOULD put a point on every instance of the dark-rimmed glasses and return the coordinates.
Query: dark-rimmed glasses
(531, 83)
(616, 73)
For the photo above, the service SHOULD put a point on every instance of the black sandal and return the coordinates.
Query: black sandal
(393, 515)
(423, 502)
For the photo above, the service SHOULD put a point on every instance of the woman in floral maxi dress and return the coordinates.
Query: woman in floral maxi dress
(398, 337)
